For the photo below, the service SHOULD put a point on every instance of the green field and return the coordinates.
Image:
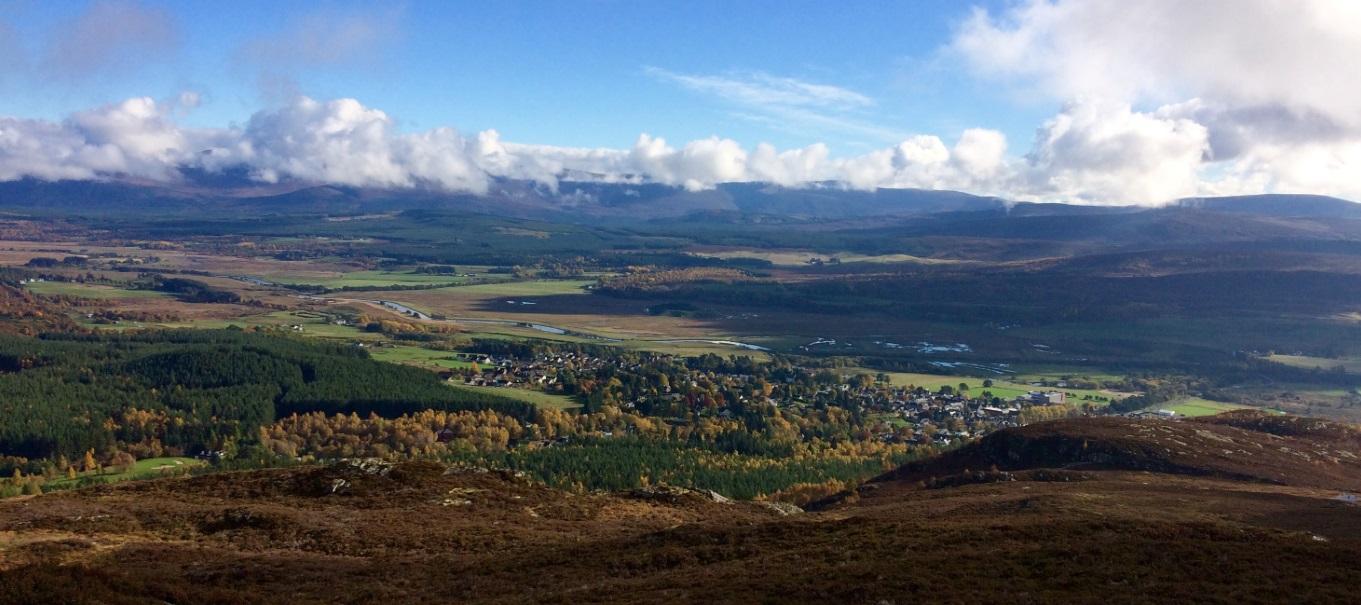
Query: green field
(77, 290)
(1026, 373)
(417, 356)
(539, 398)
(378, 279)
(312, 324)
(1350, 364)
(142, 469)
(1001, 387)
(695, 349)
(1195, 406)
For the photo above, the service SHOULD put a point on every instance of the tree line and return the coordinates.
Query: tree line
(181, 392)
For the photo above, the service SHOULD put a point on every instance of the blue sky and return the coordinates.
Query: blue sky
(1086, 101)
(560, 73)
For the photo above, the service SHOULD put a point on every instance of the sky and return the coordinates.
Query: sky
(1099, 101)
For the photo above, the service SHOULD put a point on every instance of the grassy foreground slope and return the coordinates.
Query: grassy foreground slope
(1239, 508)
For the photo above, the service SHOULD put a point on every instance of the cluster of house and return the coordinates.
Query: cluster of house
(1043, 398)
(941, 417)
(944, 418)
(541, 372)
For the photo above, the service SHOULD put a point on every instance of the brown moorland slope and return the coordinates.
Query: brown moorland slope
(1086, 510)
(1243, 445)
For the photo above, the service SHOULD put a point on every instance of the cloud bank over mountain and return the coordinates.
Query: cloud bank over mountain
(1157, 101)
(344, 142)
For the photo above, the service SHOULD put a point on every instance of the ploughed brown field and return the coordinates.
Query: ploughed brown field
(1236, 508)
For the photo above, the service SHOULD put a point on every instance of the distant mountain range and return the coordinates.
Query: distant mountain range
(230, 193)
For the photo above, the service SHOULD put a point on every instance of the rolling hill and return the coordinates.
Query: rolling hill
(1232, 509)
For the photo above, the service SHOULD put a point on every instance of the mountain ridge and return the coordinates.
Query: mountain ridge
(593, 200)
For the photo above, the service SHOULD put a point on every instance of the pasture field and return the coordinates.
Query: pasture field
(312, 324)
(1197, 406)
(164, 255)
(374, 279)
(1350, 364)
(142, 469)
(94, 291)
(417, 356)
(18, 252)
(695, 349)
(538, 398)
(560, 303)
(1028, 373)
(1001, 387)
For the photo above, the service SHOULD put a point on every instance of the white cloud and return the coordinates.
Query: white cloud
(1241, 97)
(339, 141)
(1159, 100)
(1329, 168)
(136, 137)
(1299, 54)
(922, 150)
(785, 103)
(698, 165)
(34, 148)
(764, 89)
(1099, 152)
(981, 153)
(1091, 152)
(344, 142)
(789, 168)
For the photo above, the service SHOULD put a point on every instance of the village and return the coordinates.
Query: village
(680, 389)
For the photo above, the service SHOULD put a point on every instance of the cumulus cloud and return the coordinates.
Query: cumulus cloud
(344, 142)
(1157, 100)
(789, 168)
(1084, 154)
(981, 153)
(1169, 98)
(1098, 152)
(338, 142)
(1091, 152)
(137, 137)
(697, 165)
(1299, 54)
